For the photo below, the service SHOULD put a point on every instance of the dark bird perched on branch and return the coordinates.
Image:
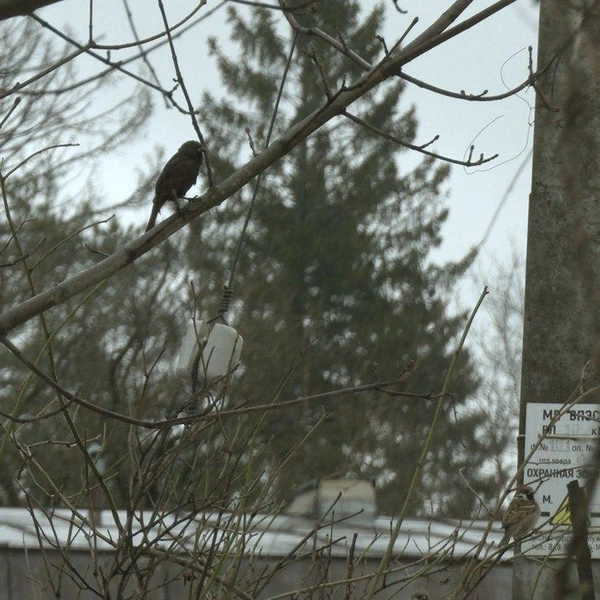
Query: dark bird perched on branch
(177, 177)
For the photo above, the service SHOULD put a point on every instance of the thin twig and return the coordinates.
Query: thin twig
(15, 103)
(421, 149)
(191, 110)
(416, 477)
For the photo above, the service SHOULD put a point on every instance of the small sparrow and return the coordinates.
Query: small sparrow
(520, 516)
(177, 177)
(419, 595)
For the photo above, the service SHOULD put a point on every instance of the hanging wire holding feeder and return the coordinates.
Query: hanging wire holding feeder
(224, 305)
(227, 295)
(211, 350)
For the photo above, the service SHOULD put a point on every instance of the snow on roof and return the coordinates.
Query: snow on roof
(257, 534)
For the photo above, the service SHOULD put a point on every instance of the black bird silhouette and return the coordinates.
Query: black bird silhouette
(177, 177)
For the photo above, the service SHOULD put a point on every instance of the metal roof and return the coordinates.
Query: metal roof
(264, 534)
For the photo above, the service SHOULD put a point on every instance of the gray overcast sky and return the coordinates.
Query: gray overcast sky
(492, 56)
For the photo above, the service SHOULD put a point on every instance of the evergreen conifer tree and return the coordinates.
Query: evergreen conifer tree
(334, 285)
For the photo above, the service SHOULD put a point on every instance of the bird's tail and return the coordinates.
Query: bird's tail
(505, 538)
(153, 215)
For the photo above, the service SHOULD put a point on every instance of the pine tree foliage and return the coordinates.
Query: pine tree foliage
(334, 285)
(103, 349)
(334, 288)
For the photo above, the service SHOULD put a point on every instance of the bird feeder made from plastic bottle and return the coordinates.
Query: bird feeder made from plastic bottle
(221, 349)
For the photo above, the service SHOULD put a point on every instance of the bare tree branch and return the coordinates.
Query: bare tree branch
(14, 8)
(388, 67)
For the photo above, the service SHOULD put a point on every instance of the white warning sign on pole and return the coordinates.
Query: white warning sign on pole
(565, 449)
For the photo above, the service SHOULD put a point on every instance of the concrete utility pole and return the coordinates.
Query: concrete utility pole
(562, 297)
